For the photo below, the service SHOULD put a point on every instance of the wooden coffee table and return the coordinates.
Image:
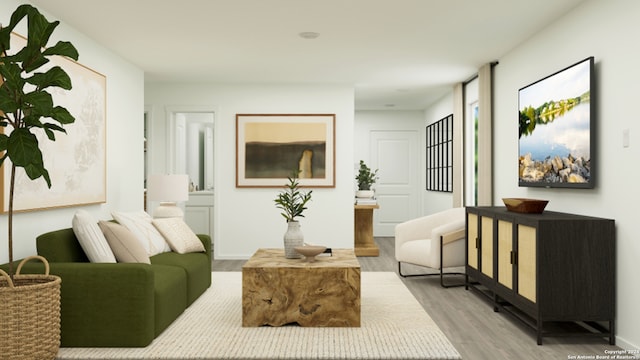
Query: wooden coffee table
(277, 291)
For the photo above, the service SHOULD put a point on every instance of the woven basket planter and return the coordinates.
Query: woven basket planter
(30, 313)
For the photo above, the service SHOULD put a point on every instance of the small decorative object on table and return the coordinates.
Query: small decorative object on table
(310, 251)
(527, 206)
(292, 201)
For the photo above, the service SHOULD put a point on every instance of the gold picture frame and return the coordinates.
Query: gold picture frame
(269, 147)
(76, 161)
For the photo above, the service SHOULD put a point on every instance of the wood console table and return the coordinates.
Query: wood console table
(363, 227)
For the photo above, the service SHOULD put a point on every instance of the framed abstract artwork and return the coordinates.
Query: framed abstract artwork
(271, 147)
(76, 161)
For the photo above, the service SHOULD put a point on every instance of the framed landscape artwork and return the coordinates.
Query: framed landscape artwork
(76, 161)
(271, 147)
(556, 139)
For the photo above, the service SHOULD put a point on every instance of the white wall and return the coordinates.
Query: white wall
(435, 201)
(125, 89)
(246, 218)
(378, 120)
(607, 30)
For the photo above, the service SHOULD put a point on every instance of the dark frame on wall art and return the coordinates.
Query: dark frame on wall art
(269, 147)
(557, 120)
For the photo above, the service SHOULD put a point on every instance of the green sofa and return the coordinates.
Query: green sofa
(120, 304)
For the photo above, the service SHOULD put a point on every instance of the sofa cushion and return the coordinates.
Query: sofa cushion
(170, 295)
(139, 223)
(91, 238)
(179, 235)
(123, 243)
(197, 267)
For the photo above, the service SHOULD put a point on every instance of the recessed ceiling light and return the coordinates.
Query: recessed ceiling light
(309, 35)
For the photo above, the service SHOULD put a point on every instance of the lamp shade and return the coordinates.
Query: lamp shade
(168, 188)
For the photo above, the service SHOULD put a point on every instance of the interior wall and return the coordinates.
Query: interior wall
(246, 218)
(435, 201)
(125, 89)
(607, 31)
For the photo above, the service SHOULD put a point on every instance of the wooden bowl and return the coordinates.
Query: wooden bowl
(527, 206)
(310, 251)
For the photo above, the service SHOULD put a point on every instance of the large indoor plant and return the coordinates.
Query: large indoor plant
(26, 106)
(292, 201)
(26, 111)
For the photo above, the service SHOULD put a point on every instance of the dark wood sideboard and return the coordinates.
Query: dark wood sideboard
(555, 271)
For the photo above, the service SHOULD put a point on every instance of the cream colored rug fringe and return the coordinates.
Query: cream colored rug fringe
(394, 326)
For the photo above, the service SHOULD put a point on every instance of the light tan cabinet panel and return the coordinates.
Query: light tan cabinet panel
(472, 243)
(505, 250)
(487, 246)
(527, 262)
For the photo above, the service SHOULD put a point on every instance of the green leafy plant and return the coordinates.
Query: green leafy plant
(26, 106)
(366, 177)
(291, 200)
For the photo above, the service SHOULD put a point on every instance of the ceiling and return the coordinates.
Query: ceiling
(398, 54)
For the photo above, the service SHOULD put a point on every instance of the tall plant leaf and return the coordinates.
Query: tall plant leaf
(53, 77)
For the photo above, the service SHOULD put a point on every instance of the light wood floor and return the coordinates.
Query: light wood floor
(468, 319)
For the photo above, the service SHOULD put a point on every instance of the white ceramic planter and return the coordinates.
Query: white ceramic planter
(365, 194)
(292, 239)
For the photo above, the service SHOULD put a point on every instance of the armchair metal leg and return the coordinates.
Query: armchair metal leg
(440, 273)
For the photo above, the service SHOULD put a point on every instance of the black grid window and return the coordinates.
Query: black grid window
(440, 155)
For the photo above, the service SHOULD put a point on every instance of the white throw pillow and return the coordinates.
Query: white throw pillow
(179, 235)
(139, 223)
(124, 244)
(91, 239)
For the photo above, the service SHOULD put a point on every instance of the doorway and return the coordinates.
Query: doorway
(191, 147)
(397, 189)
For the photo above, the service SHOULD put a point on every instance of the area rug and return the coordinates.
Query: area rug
(393, 326)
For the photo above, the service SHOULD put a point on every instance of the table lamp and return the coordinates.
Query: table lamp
(168, 190)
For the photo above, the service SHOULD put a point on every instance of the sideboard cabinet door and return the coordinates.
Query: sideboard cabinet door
(480, 243)
(527, 262)
(505, 253)
(472, 240)
(486, 244)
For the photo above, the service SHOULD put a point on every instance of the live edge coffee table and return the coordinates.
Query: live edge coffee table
(278, 291)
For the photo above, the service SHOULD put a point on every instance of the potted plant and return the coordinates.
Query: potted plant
(293, 203)
(365, 179)
(26, 110)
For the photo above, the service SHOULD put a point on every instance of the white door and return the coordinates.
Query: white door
(395, 155)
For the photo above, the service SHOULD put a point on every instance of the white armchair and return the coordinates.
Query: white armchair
(435, 241)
